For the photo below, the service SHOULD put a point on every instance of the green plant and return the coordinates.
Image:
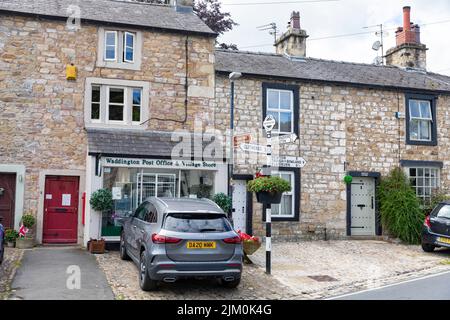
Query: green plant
(223, 201)
(11, 235)
(272, 184)
(101, 200)
(400, 209)
(28, 220)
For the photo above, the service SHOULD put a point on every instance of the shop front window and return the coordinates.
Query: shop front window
(131, 186)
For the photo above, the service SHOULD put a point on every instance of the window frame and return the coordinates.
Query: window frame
(290, 193)
(107, 103)
(296, 196)
(279, 110)
(125, 46)
(116, 42)
(295, 107)
(433, 130)
(416, 187)
(129, 86)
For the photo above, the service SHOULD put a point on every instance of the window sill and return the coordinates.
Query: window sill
(421, 143)
(115, 126)
(136, 66)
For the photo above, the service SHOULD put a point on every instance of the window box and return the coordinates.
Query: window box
(421, 125)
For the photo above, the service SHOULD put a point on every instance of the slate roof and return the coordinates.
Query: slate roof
(274, 65)
(137, 143)
(112, 11)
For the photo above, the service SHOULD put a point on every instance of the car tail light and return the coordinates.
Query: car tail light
(233, 240)
(427, 222)
(157, 238)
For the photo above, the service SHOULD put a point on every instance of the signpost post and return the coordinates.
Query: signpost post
(268, 124)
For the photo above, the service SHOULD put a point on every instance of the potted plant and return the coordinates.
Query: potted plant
(10, 237)
(102, 201)
(223, 201)
(268, 189)
(26, 234)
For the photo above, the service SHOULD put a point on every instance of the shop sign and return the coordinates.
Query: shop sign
(159, 163)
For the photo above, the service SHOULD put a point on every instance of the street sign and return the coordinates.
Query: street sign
(241, 138)
(288, 162)
(254, 148)
(284, 139)
(269, 123)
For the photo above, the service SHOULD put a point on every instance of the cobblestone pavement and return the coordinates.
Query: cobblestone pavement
(347, 266)
(255, 284)
(8, 268)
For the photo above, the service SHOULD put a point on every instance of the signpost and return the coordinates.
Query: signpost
(241, 138)
(288, 162)
(284, 139)
(254, 148)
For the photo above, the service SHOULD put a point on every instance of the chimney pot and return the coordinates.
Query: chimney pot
(295, 20)
(407, 18)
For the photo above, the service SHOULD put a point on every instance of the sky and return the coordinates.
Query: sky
(340, 17)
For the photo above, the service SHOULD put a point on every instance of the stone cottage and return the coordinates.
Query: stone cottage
(99, 93)
(351, 119)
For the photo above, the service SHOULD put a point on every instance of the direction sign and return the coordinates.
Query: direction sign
(284, 139)
(241, 138)
(254, 148)
(288, 162)
(269, 123)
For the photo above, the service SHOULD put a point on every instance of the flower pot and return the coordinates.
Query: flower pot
(25, 243)
(250, 247)
(10, 244)
(96, 246)
(268, 197)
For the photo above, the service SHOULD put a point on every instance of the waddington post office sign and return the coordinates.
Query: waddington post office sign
(158, 163)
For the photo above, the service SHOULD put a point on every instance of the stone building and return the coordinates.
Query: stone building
(145, 72)
(351, 119)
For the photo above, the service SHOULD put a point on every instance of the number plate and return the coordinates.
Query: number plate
(444, 240)
(201, 245)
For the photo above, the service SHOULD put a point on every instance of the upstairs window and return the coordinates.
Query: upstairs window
(421, 126)
(119, 49)
(112, 102)
(282, 102)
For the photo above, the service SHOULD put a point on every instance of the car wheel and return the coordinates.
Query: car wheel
(145, 282)
(123, 250)
(230, 284)
(428, 247)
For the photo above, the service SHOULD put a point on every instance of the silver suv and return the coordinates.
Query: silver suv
(175, 238)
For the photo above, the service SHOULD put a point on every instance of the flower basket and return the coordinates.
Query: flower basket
(96, 246)
(268, 197)
(251, 246)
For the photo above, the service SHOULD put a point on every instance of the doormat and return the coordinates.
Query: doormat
(323, 278)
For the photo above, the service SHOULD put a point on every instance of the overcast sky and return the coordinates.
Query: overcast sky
(322, 19)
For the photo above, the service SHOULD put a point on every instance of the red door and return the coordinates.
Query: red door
(7, 198)
(60, 209)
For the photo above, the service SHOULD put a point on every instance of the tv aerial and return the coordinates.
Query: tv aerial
(272, 27)
(377, 45)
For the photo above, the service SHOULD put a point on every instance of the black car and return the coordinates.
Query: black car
(436, 228)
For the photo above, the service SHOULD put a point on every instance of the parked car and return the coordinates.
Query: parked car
(176, 238)
(2, 242)
(436, 228)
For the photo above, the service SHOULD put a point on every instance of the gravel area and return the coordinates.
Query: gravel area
(8, 268)
(339, 267)
(255, 284)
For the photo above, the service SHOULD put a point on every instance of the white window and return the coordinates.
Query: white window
(110, 46)
(155, 185)
(280, 104)
(112, 102)
(287, 206)
(420, 120)
(425, 181)
(128, 47)
(119, 49)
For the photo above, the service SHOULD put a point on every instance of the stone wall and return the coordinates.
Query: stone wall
(341, 129)
(42, 114)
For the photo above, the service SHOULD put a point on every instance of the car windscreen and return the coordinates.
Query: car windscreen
(196, 222)
(444, 212)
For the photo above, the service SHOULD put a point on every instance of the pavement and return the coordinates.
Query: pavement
(55, 273)
(432, 287)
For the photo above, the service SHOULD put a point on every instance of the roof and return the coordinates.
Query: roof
(134, 143)
(282, 66)
(188, 205)
(115, 12)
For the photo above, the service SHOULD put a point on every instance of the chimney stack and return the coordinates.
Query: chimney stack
(185, 6)
(409, 52)
(293, 41)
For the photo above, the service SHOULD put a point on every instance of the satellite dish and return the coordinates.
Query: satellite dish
(378, 61)
(376, 45)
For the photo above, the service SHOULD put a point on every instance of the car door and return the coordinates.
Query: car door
(134, 233)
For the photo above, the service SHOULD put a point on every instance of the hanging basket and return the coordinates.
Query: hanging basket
(268, 197)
